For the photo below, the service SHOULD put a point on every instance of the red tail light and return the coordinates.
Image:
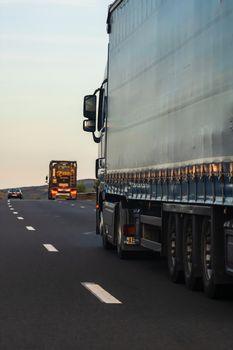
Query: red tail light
(129, 230)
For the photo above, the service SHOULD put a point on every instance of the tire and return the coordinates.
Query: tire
(190, 253)
(174, 245)
(211, 289)
(121, 252)
(106, 244)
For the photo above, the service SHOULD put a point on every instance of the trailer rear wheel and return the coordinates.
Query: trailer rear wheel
(173, 250)
(189, 253)
(211, 289)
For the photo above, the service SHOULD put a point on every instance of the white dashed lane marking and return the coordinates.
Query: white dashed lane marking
(20, 218)
(101, 293)
(15, 212)
(82, 207)
(12, 209)
(30, 228)
(88, 233)
(50, 248)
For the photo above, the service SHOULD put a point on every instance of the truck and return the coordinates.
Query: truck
(163, 120)
(62, 179)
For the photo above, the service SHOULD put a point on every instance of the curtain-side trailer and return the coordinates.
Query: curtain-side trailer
(164, 124)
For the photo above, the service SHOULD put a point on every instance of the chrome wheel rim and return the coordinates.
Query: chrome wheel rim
(101, 223)
(119, 236)
(207, 253)
(189, 247)
(173, 244)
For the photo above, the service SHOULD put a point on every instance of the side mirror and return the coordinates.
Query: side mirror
(89, 125)
(96, 168)
(89, 107)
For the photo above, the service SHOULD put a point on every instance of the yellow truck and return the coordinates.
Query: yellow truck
(62, 179)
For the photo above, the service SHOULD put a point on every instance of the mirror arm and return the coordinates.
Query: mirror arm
(96, 139)
(97, 90)
(105, 81)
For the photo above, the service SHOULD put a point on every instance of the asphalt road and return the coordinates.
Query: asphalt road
(49, 250)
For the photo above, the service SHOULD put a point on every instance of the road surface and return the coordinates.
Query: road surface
(60, 290)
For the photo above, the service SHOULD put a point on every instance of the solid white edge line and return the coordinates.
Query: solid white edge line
(20, 218)
(100, 293)
(30, 228)
(50, 247)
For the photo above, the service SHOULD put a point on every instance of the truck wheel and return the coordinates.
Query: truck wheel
(211, 289)
(173, 251)
(102, 231)
(120, 244)
(192, 282)
(120, 251)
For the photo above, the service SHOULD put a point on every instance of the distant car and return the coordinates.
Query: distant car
(15, 193)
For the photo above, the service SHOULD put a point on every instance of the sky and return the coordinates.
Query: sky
(52, 53)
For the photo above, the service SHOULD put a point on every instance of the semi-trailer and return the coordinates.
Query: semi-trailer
(62, 179)
(163, 118)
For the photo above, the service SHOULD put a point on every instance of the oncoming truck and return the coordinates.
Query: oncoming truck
(163, 118)
(62, 179)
